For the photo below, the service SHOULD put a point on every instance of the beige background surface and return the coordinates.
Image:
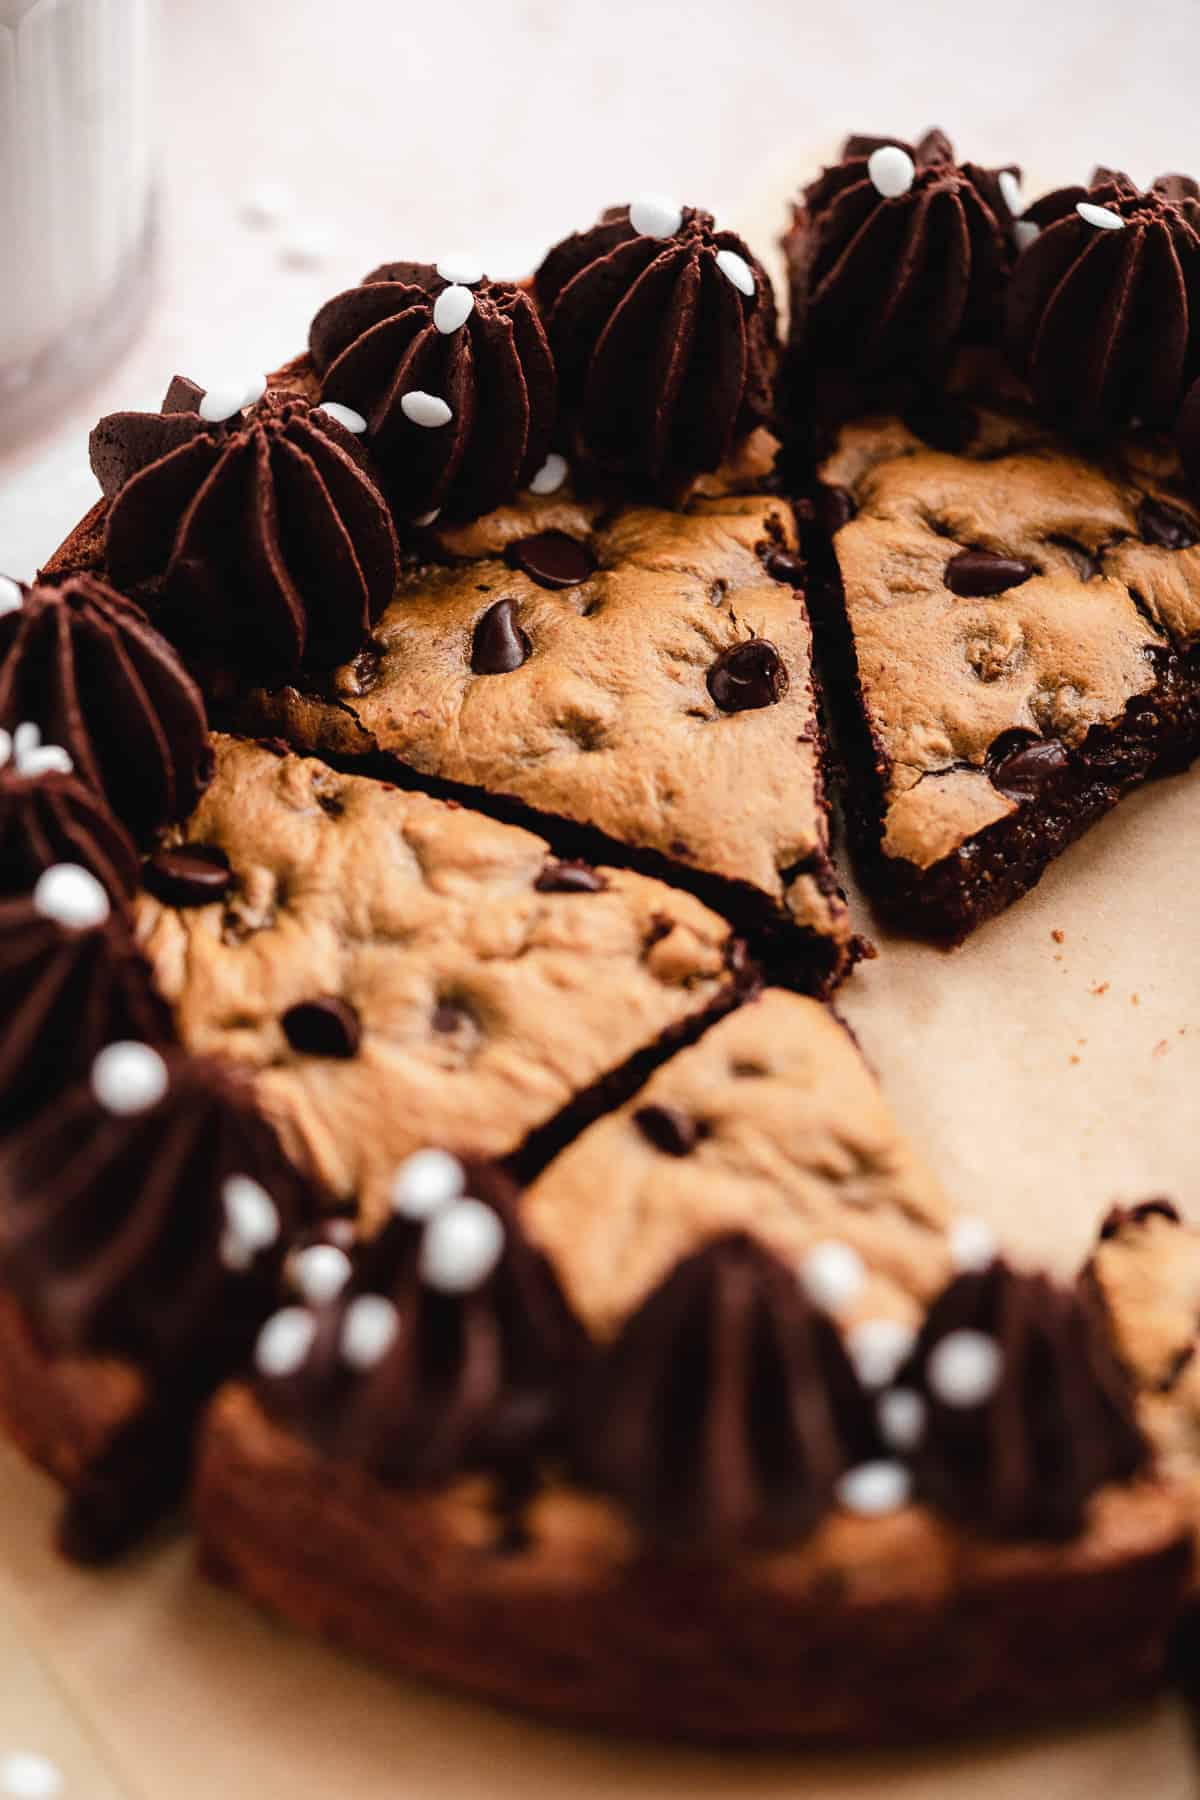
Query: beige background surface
(1045, 1078)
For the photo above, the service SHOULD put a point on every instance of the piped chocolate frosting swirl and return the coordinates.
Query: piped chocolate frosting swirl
(84, 664)
(264, 536)
(153, 1232)
(1103, 313)
(664, 339)
(479, 349)
(899, 255)
(52, 818)
(421, 1366)
(726, 1408)
(1022, 1454)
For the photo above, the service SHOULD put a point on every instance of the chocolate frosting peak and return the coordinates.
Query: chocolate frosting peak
(1058, 1424)
(84, 664)
(665, 346)
(114, 1230)
(894, 282)
(52, 818)
(480, 349)
(726, 1408)
(64, 994)
(265, 536)
(470, 1378)
(1104, 307)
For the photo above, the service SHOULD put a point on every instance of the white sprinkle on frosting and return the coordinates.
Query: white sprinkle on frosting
(901, 1416)
(31, 756)
(877, 1348)
(1103, 217)
(1010, 187)
(370, 1327)
(551, 475)
(251, 1220)
(428, 518)
(425, 1182)
(71, 896)
(228, 398)
(320, 1272)
(874, 1488)
(832, 1275)
(453, 307)
(26, 739)
(972, 1244)
(285, 1341)
(891, 171)
(1024, 232)
(462, 270)
(26, 1775)
(345, 416)
(461, 1246)
(735, 268)
(10, 595)
(128, 1078)
(964, 1368)
(653, 215)
(429, 410)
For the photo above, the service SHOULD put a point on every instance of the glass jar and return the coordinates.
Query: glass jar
(77, 193)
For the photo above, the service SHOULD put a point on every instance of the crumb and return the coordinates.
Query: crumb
(1135, 999)
(1161, 1048)
(1059, 936)
(1073, 1058)
(1058, 956)
(1081, 1042)
(1099, 987)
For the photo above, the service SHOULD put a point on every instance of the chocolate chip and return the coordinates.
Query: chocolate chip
(934, 147)
(785, 565)
(359, 676)
(1025, 771)
(499, 646)
(835, 507)
(182, 396)
(193, 875)
(1166, 526)
(449, 1016)
(552, 559)
(944, 423)
(570, 878)
(1117, 1217)
(327, 1026)
(748, 675)
(673, 1132)
(977, 574)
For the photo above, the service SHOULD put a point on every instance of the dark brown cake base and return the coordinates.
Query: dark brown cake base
(873, 1629)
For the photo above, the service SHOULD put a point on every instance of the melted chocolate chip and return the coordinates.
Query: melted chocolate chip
(1165, 525)
(193, 875)
(835, 508)
(673, 1132)
(748, 675)
(570, 878)
(1117, 1217)
(360, 676)
(552, 559)
(944, 424)
(327, 1026)
(1025, 771)
(182, 396)
(449, 1016)
(499, 645)
(785, 565)
(978, 574)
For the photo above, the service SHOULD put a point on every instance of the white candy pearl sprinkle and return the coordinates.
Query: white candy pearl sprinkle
(460, 270)
(425, 1182)
(735, 268)
(461, 1246)
(972, 1244)
(832, 1274)
(1103, 217)
(901, 1416)
(26, 739)
(891, 170)
(1010, 187)
(425, 409)
(1024, 232)
(369, 1329)
(24, 1775)
(321, 1272)
(47, 759)
(71, 896)
(250, 1213)
(10, 595)
(874, 1488)
(452, 308)
(228, 398)
(653, 215)
(344, 416)
(964, 1368)
(428, 518)
(128, 1078)
(551, 475)
(285, 1341)
(877, 1348)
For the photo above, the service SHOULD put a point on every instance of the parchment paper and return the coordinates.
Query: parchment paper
(1048, 1068)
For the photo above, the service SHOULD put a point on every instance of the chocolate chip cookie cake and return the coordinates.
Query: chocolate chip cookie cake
(428, 1150)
